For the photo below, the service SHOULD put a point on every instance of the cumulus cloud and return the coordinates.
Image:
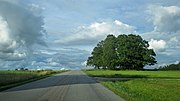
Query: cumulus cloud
(50, 59)
(157, 45)
(4, 36)
(20, 28)
(88, 35)
(174, 42)
(165, 19)
(166, 22)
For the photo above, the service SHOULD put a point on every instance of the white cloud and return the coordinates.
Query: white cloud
(165, 38)
(62, 17)
(165, 18)
(7, 44)
(174, 42)
(125, 28)
(4, 33)
(157, 45)
(63, 58)
(97, 31)
(20, 29)
(177, 62)
(166, 22)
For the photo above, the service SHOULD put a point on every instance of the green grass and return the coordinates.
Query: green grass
(148, 85)
(133, 74)
(10, 79)
(146, 90)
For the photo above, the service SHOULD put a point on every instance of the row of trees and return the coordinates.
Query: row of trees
(122, 52)
(170, 67)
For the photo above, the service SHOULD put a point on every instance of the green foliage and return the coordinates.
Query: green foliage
(171, 67)
(97, 55)
(109, 52)
(123, 52)
(133, 52)
(146, 89)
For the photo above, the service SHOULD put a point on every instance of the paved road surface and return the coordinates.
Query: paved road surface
(68, 86)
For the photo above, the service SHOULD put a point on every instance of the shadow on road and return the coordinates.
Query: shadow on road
(58, 80)
(68, 86)
(68, 78)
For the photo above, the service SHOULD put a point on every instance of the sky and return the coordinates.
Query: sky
(60, 34)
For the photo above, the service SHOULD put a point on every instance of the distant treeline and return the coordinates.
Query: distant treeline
(122, 52)
(170, 67)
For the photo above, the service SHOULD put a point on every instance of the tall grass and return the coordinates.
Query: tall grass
(12, 77)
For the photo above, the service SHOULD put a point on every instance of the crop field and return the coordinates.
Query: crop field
(12, 78)
(146, 85)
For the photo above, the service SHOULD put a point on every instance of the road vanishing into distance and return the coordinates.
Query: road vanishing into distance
(68, 86)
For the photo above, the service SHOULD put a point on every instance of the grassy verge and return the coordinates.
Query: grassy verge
(133, 74)
(150, 85)
(9, 79)
(146, 90)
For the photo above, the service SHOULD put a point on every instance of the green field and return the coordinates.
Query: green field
(10, 79)
(146, 90)
(146, 85)
(134, 74)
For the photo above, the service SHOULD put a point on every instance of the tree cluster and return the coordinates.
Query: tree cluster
(170, 67)
(122, 52)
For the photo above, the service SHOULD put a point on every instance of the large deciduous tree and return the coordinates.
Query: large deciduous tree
(123, 52)
(133, 52)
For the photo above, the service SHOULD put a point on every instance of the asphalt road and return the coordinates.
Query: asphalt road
(68, 86)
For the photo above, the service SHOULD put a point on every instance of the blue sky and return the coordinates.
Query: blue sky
(61, 34)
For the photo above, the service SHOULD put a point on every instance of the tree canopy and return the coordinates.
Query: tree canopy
(122, 52)
(109, 52)
(97, 56)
